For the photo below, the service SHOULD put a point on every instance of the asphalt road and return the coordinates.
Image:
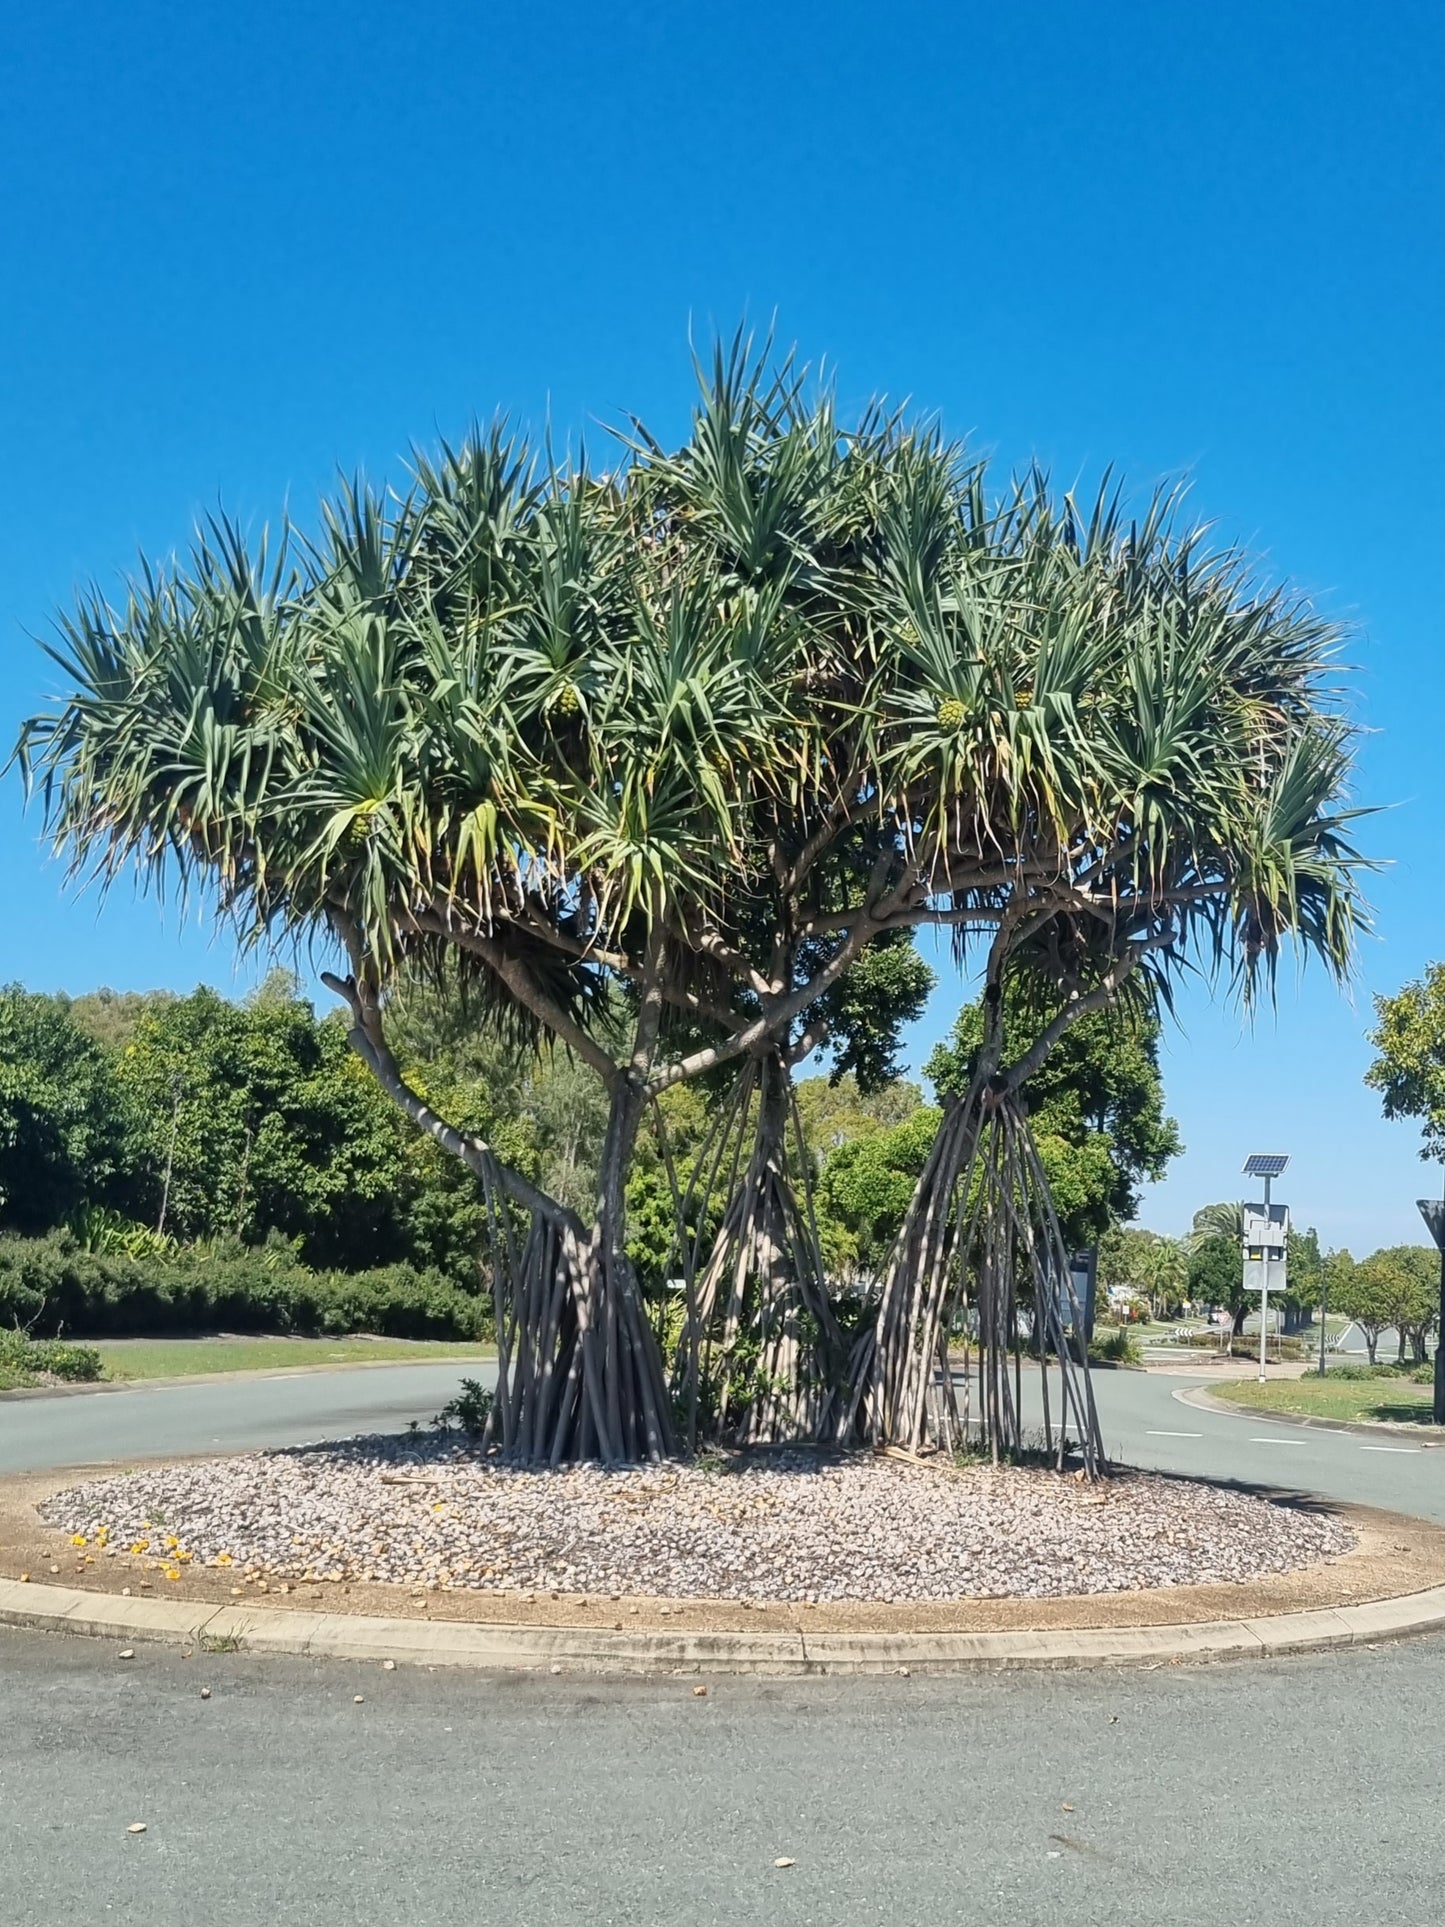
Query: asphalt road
(1298, 1794)
(1144, 1424)
(225, 1415)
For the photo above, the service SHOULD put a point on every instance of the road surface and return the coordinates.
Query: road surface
(1288, 1794)
(1298, 1793)
(224, 1415)
(1144, 1424)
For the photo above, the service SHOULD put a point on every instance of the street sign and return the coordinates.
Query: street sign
(1432, 1210)
(1265, 1239)
(1266, 1244)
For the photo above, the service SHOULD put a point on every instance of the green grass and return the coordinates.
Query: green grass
(1378, 1401)
(126, 1358)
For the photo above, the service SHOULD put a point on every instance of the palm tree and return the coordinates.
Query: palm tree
(651, 764)
(1160, 1268)
(1217, 1221)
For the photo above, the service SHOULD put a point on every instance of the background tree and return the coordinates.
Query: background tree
(1409, 1066)
(835, 1111)
(1215, 1276)
(864, 1193)
(1409, 1073)
(265, 1122)
(1370, 1294)
(63, 1117)
(1305, 1277)
(1399, 1285)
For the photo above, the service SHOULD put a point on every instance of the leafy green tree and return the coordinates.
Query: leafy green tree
(1160, 1273)
(1394, 1288)
(834, 1110)
(253, 1119)
(1417, 1312)
(1370, 1293)
(1305, 1274)
(1409, 1066)
(865, 1189)
(1215, 1276)
(63, 1118)
(697, 737)
(111, 1016)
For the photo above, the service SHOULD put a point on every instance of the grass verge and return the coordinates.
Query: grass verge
(1369, 1401)
(152, 1358)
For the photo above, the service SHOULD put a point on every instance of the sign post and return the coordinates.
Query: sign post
(1432, 1210)
(1265, 1229)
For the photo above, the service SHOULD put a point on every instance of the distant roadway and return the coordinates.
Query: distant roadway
(1145, 1424)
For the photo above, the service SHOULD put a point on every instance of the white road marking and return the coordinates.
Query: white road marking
(1194, 1435)
(1390, 1448)
(1279, 1441)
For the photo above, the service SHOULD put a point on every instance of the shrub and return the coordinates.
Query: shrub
(22, 1358)
(52, 1285)
(470, 1409)
(1357, 1374)
(1117, 1347)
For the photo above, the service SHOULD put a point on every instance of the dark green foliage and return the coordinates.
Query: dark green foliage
(51, 1285)
(63, 1123)
(1216, 1274)
(865, 1188)
(866, 1009)
(1117, 1347)
(269, 1124)
(470, 1409)
(1353, 1374)
(276, 1126)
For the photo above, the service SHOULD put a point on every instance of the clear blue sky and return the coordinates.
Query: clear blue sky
(242, 245)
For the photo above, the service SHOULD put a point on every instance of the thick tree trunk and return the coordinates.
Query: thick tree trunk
(762, 1360)
(1236, 1329)
(981, 1215)
(579, 1371)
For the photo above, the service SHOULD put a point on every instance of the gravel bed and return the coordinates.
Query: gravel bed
(774, 1526)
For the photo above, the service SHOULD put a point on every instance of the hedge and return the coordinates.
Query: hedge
(52, 1286)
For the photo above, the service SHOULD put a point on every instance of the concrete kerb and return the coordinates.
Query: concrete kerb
(1203, 1400)
(253, 1629)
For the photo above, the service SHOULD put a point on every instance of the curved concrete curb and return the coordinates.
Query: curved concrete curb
(574, 1649)
(1203, 1400)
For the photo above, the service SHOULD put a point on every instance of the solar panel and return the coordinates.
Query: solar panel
(1264, 1164)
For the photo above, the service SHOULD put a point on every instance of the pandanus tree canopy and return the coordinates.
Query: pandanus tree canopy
(715, 721)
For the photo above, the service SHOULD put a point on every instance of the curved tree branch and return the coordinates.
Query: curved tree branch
(368, 1040)
(514, 973)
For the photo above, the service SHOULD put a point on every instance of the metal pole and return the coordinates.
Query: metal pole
(1324, 1311)
(1264, 1288)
